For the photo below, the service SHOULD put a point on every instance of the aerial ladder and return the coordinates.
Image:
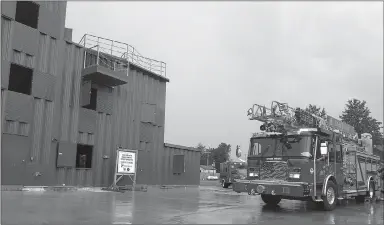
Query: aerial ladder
(280, 117)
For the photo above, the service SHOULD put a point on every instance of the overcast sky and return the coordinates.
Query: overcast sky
(222, 57)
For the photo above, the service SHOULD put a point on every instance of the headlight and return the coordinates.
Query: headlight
(253, 174)
(294, 175)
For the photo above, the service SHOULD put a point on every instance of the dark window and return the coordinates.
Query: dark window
(84, 156)
(339, 154)
(27, 13)
(93, 101)
(20, 79)
(178, 164)
(332, 152)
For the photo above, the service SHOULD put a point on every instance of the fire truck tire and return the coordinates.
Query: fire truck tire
(271, 199)
(330, 198)
(224, 184)
(371, 191)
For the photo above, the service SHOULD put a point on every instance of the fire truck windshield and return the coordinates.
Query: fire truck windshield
(239, 169)
(290, 146)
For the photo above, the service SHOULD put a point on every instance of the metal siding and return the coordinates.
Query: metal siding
(67, 158)
(43, 86)
(11, 127)
(42, 130)
(5, 69)
(85, 96)
(53, 6)
(66, 93)
(14, 150)
(85, 138)
(23, 59)
(49, 22)
(122, 128)
(88, 120)
(54, 57)
(48, 57)
(37, 132)
(97, 160)
(6, 37)
(8, 9)
(18, 107)
(23, 129)
(48, 131)
(76, 78)
(104, 100)
(43, 57)
(3, 101)
(25, 39)
(59, 92)
(107, 148)
(191, 175)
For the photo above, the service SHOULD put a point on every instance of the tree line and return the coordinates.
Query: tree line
(356, 113)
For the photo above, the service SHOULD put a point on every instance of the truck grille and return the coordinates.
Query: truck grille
(274, 171)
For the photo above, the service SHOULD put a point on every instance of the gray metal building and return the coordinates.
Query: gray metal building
(66, 107)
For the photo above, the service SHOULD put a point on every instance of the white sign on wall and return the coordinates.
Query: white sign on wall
(126, 162)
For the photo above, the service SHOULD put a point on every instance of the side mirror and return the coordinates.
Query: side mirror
(324, 148)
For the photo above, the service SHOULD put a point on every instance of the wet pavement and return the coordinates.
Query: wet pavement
(207, 204)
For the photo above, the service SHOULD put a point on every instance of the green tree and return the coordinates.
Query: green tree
(205, 154)
(221, 153)
(357, 114)
(316, 110)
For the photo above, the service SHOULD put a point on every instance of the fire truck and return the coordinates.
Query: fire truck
(230, 171)
(301, 156)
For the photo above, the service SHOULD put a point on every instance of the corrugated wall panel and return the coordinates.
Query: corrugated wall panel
(107, 149)
(98, 149)
(37, 132)
(191, 175)
(6, 40)
(44, 47)
(48, 131)
(67, 90)
(23, 59)
(85, 138)
(3, 101)
(76, 81)
(48, 56)
(11, 127)
(132, 87)
(42, 130)
(24, 129)
(51, 5)
(53, 56)
(61, 175)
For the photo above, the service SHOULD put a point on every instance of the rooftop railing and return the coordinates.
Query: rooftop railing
(105, 48)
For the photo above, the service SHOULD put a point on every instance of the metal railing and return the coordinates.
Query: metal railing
(105, 48)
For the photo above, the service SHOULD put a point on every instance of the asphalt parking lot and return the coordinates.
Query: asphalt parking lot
(208, 203)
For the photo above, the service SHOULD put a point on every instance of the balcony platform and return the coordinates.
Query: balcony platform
(104, 76)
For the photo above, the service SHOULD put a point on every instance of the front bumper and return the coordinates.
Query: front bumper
(282, 188)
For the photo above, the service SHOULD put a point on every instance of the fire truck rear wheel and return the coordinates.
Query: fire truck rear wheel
(371, 191)
(330, 198)
(224, 184)
(271, 199)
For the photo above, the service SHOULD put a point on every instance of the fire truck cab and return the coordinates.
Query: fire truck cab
(311, 162)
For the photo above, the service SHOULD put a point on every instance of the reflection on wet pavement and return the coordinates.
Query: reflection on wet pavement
(171, 206)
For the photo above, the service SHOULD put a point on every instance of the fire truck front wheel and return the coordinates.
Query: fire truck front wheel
(330, 198)
(271, 199)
